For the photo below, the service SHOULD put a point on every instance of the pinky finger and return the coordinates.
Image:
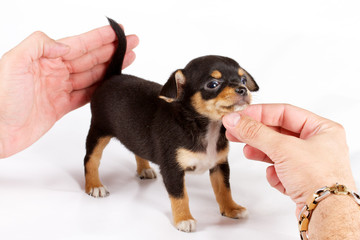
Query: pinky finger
(129, 59)
(274, 180)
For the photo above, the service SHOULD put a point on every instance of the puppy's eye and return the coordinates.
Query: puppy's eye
(243, 80)
(212, 85)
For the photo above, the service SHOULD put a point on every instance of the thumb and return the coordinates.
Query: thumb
(39, 45)
(53, 49)
(252, 132)
(48, 47)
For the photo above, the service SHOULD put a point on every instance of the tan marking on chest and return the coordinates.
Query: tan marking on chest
(199, 162)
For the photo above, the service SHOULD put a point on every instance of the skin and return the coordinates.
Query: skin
(41, 80)
(306, 152)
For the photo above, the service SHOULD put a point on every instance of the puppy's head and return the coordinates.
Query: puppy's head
(213, 85)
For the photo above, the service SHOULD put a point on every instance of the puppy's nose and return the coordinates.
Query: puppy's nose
(241, 91)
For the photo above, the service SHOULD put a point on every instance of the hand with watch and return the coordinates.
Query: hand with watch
(307, 153)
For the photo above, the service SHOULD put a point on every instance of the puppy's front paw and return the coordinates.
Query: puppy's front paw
(187, 225)
(98, 192)
(235, 212)
(147, 173)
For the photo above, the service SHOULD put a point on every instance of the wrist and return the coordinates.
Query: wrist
(334, 207)
(316, 184)
(337, 217)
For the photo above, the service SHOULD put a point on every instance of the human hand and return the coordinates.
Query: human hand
(42, 79)
(306, 151)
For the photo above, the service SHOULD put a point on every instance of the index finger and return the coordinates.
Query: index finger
(291, 118)
(88, 41)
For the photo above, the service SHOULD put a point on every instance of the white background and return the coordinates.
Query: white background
(306, 53)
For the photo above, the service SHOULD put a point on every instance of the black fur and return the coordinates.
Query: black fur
(225, 172)
(129, 108)
(115, 66)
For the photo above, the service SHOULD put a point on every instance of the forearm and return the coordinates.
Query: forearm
(336, 217)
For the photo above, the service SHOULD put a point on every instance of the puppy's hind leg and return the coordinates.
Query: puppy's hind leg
(144, 171)
(94, 149)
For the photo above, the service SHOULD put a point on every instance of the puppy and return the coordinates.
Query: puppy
(177, 126)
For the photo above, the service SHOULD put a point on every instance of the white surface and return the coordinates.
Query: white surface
(301, 52)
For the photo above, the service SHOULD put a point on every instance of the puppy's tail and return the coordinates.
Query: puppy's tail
(115, 65)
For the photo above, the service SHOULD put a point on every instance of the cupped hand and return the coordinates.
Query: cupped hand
(42, 79)
(306, 151)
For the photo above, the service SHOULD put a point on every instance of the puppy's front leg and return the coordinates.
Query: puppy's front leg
(174, 183)
(219, 177)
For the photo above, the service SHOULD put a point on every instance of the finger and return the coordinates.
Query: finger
(129, 59)
(90, 77)
(97, 56)
(274, 180)
(280, 130)
(231, 137)
(54, 49)
(81, 97)
(284, 131)
(286, 116)
(101, 51)
(132, 41)
(255, 154)
(86, 42)
(254, 133)
(91, 59)
(38, 45)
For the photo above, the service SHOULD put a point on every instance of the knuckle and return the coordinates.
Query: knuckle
(331, 125)
(340, 132)
(288, 105)
(339, 127)
(38, 35)
(335, 127)
(94, 59)
(5, 56)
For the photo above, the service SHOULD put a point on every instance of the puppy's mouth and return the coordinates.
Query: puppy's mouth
(237, 106)
(217, 107)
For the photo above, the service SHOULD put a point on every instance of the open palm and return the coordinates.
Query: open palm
(41, 80)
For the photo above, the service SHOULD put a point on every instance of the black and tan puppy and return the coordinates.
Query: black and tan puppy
(177, 126)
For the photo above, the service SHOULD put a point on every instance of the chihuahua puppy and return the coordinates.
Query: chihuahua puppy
(177, 126)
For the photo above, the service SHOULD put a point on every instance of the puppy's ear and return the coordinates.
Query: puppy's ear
(173, 88)
(250, 84)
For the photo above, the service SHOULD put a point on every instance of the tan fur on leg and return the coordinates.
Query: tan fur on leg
(223, 196)
(183, 219)
(144, 170)
(93, 185)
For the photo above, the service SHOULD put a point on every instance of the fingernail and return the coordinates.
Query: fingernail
(231, 120)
